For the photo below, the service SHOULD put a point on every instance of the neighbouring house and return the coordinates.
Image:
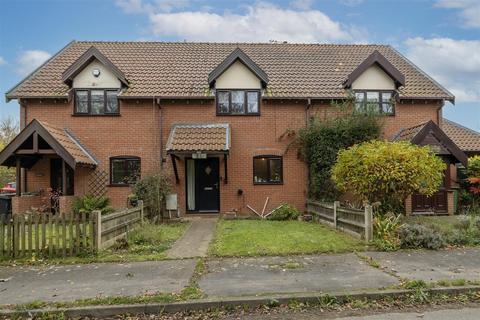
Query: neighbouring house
(99, 115)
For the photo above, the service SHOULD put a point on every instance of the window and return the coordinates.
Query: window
(267, 170)
(124, 170)
(376, 101)
(96, 102)
(238, 102)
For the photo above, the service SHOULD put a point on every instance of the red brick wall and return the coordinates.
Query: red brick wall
(134, 133)
(250, 136)
(137, 133)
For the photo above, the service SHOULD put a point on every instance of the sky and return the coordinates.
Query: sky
(442, 37)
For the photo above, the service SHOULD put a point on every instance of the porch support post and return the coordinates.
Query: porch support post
(18, 178)
(175, 170)
(64, 178)
(226, 167)
(35, 142)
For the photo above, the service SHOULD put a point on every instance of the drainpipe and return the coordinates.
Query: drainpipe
(307, 119)
(160, 121)
(23, 172)
(439, 113)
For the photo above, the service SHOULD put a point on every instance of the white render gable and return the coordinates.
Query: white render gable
(374, 78)
(105, 80)
(238, 76)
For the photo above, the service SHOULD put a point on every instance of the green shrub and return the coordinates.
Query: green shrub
(387, 172)
(417, 236)
(467, 231)
(321, 140)
(153, 190)
(89, 203)
(385, 232)
(284, 213)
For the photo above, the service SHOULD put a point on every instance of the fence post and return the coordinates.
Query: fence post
(140, 204)
(97, 215)
(336, 204)
(368, 223)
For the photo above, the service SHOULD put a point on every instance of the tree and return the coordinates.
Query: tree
(8, 130)
(388, 172)
(473, 178)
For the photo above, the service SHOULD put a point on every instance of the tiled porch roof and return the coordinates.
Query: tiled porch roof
(62, 141)
(199, 137)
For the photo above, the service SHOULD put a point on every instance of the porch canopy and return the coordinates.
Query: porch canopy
(39, 139)
(197, 141)
(430, 134)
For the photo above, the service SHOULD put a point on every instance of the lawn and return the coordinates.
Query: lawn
(146, 243)
(264, 237)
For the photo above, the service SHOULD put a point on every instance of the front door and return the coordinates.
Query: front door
(207, 185)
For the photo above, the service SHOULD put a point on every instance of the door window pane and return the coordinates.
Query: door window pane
(98, 102)
(81, 101)
(252, 100)
(112, 102)
(223, 101)
(238, 102)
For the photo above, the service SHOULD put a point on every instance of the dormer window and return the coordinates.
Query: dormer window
(238, 102)
(96, 102)
(374, 101)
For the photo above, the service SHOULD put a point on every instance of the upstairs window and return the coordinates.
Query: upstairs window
(267, 170)
(124, 171)
(374, 101)
(96, 102)
(238, 102)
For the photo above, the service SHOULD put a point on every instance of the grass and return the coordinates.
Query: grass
(264, 237)
(146, 243)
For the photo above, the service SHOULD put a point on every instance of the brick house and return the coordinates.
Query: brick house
(99, 115)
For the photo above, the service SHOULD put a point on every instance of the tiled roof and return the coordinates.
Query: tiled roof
(177, 69)
(407, 134)
(466, 139)
(70, 144)
(199, 137)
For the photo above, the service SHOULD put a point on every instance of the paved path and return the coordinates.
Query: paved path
(73, 282)
(235, 276)
(195, 241)
(430, 265)
(321, 273)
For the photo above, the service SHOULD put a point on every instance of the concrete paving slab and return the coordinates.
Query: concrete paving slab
(430, 265)
(195, 241)
(72, 282)
(322, 273)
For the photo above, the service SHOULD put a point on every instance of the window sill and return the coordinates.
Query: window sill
(119, 185)
(96, 115)
(238, 115)
(267, 183)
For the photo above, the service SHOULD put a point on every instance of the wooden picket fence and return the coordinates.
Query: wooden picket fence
(46, 235)
(356, 222)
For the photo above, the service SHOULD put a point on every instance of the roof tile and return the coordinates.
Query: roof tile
(180, 69)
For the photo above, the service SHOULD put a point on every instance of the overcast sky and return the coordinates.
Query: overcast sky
(440, 36)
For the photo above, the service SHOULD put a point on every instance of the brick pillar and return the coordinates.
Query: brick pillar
(450, 202)
(408, 206)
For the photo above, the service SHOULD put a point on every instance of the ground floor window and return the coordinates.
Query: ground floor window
(124, 170)
(267, 169)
